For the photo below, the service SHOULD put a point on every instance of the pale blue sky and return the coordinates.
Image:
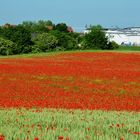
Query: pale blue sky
(77, 13)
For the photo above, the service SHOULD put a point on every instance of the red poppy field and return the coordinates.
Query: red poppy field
(103, 81)
(71, 96)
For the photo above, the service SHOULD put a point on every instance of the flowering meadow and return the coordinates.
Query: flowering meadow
(70, 96)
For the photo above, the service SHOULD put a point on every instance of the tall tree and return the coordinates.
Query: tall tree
(19, 35)
(96, 38)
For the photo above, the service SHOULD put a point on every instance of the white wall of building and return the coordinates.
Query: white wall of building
(122, 38)
(126, 36)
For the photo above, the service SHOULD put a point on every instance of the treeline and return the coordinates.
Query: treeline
(44, 36)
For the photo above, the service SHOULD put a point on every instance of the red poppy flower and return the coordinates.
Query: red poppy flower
(60, 138)
(2, 137)
(136, 133)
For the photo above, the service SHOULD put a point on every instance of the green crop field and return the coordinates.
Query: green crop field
(52, 124)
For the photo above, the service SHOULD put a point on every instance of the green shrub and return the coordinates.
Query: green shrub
(68, 42)
(113, 45)
(65, 40)
(6, 47)
(45, 42)
(27, 49)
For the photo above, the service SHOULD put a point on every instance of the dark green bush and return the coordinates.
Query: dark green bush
(65, 40)
(112, 45)
(18, 35)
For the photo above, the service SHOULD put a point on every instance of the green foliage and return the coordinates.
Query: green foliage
(27, 49)
(96, 39)
(69, 43)
(6, 47)
(65, 40)
(0, 31)
(62, 27)
(19, 35)
(42, 36)
(37, 27)
(45, 42)
(113, 45)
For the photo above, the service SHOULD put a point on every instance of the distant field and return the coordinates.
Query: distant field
(129, 48)
(75, 95)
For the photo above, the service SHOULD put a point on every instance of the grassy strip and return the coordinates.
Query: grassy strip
(128, 48)
(30, 55)
(121, 49)
(53, 124)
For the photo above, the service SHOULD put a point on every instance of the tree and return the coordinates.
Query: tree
(62, 27)
(0, 31)
(96, 39)
(37, 27)
(66, 41)
(45, 42)
(28, 25)
(69, 43)
(6, 47)
(45, 23)
(18, 35)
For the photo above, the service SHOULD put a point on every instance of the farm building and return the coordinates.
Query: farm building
(125, 36)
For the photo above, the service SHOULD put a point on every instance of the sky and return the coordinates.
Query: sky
(76, 13)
